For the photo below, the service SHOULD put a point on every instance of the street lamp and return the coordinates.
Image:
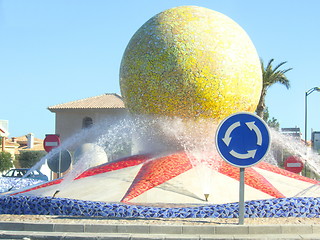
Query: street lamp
(311, 90)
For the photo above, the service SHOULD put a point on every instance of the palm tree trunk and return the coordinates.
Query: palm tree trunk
(261, 105)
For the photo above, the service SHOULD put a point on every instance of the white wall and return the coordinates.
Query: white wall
(69, 122)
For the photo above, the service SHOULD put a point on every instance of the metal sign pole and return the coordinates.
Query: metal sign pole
(241, 196)
(242, 140)
(59, 171)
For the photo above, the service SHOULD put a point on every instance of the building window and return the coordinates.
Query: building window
(87, 122)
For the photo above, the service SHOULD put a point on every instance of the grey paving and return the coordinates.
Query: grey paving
(59, 231)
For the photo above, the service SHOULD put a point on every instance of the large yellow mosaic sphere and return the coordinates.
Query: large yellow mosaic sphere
(190, 62)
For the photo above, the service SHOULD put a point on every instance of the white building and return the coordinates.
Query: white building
(73, 116)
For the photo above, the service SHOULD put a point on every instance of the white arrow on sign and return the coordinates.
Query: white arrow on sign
(227, 138)
(253, 126)
(249, 154)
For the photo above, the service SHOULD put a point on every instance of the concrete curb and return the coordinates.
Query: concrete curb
(18, 230)
(27, 235)
(161, 229)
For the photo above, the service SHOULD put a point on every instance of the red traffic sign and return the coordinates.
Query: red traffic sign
(293, 164)
(51, 141)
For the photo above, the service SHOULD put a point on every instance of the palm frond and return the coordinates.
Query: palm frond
(270, 76)
(275, 75)
(278, 66)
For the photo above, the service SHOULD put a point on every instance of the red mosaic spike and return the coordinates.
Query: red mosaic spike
(272, 168)
(107, 167)
(47, 184)
(252, 177)
(115, 165)
(156, 172)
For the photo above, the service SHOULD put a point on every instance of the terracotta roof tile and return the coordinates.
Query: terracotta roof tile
(24, 140)
(36, 147)
(11, 144)
(108, 100)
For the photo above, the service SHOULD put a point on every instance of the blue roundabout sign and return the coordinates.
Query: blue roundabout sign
(243, 139)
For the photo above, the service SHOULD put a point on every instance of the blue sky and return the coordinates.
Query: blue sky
(56, 51)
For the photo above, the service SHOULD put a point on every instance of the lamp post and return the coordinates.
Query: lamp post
(311, 90)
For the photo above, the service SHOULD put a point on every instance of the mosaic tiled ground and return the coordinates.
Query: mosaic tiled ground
(12, 183)
(275, 207)
(160, 170)
(278, 207)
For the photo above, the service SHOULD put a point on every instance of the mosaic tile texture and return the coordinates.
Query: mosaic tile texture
(154, 173)
(190, 62)
(278, 207)
(16, 183)
(160, 170)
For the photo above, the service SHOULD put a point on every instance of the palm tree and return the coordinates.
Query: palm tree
(271, 76)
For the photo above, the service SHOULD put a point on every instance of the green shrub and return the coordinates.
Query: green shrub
(5, 161)
(28, 159)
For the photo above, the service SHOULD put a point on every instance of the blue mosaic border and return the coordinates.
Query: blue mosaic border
(280, 207)
(14, 183)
